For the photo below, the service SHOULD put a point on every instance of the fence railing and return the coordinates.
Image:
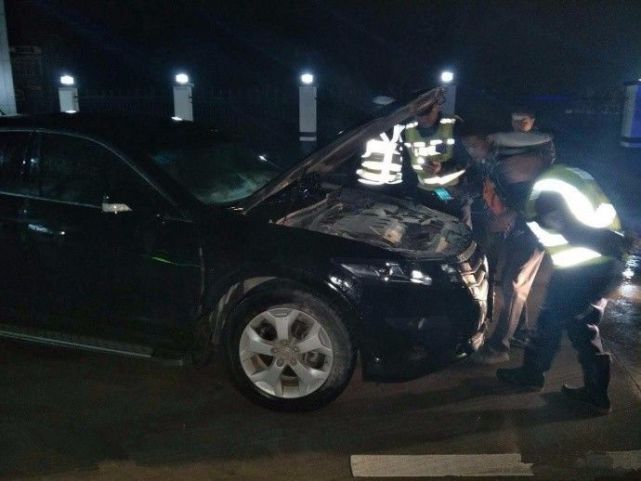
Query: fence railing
(268, 116)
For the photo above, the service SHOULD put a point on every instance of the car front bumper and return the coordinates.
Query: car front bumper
(407, 330)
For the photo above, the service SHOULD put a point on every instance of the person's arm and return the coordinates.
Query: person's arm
(410, 179)
(548, 151)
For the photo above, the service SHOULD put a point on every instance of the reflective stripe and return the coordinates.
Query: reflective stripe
(548, 239)
(426, 151)
(429, 148)
(581, 173)
(378, 177)
(378, 165)
(379, 147)
(574, 256)
(585, 204)
(384, 162)
(376, 182)
(578, 204)
(444, 179)
(451, 141)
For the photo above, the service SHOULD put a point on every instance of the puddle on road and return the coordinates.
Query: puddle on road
(622, 321)
(632, 268)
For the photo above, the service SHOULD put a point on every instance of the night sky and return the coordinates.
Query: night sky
(539, 48)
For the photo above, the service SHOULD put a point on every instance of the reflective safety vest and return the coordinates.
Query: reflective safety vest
(589, 207)
(437, 148)
(382, 162)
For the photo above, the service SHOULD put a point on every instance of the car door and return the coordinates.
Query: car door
(103, 235)
(67, 234)
(15, 267)
(156, 260)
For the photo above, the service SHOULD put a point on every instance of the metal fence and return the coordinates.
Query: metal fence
(268, 116)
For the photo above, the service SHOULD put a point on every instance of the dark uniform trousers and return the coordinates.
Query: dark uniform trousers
(575, 300)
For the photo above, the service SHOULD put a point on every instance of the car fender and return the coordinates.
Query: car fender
(231, 290)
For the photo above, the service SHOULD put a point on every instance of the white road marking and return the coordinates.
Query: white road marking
(612, 460)
(480, 465)
(437, 465)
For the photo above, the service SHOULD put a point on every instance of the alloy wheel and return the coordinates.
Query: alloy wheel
(286, 352)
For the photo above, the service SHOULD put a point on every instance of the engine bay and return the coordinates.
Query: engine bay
(383, 221)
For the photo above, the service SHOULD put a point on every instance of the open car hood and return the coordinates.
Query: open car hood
(342, 148)
(392, 224)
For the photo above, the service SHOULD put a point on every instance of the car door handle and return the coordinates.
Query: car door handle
(108, 208)
(41, 229)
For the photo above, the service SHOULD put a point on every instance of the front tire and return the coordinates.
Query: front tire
(288, 350)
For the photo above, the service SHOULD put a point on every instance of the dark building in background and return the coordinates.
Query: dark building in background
(28, 77)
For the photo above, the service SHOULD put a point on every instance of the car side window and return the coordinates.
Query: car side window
(14, 163)
(128, 187)
(73, 169)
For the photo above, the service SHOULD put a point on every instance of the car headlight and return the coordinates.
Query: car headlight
(452, 273)
(388, 272)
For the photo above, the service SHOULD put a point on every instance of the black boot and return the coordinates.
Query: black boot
(523, 378)
(599, 403)
(596, 378)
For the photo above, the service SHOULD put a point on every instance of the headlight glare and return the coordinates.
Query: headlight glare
(388, 272)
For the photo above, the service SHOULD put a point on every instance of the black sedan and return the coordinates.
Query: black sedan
(163, 239)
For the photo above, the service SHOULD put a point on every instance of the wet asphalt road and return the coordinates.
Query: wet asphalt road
(622, 325)
(73, 415)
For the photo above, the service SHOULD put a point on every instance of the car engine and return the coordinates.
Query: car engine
(383, 221)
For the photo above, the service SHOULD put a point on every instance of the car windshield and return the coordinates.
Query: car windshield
(216, 171)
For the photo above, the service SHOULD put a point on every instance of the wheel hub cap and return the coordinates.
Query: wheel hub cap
(286, 352)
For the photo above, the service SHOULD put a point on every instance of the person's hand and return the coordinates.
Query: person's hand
(432, 168)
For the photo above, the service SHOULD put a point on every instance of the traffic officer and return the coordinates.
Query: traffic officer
(430, 167)
(579, 229)
(524, 121)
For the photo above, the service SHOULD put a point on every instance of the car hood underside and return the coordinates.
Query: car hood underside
(386, 222)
